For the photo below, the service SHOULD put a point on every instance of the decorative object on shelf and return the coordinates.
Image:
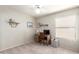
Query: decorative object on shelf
(12, 23)
(29, 24)
(43, 24)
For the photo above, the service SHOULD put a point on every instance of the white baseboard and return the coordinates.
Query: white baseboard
(15, 46)
(12, 47)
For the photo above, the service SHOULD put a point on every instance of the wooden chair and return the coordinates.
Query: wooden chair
(44, 39)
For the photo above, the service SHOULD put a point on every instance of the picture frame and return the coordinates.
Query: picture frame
(29, 24)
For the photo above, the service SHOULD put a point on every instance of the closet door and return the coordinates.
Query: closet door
(65, 27)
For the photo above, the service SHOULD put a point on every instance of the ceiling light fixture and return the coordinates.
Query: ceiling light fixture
(37, 9)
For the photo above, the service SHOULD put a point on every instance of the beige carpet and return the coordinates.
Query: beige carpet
(35, 48)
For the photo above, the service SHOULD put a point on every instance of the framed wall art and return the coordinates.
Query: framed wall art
(29, 24)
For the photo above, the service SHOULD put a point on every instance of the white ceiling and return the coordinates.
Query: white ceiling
(45, 9)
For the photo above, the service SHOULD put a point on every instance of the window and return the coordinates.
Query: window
(65, 27)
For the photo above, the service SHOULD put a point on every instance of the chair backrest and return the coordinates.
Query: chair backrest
(41, 35)
(46, 32)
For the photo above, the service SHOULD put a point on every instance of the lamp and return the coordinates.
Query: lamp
(12, 23)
